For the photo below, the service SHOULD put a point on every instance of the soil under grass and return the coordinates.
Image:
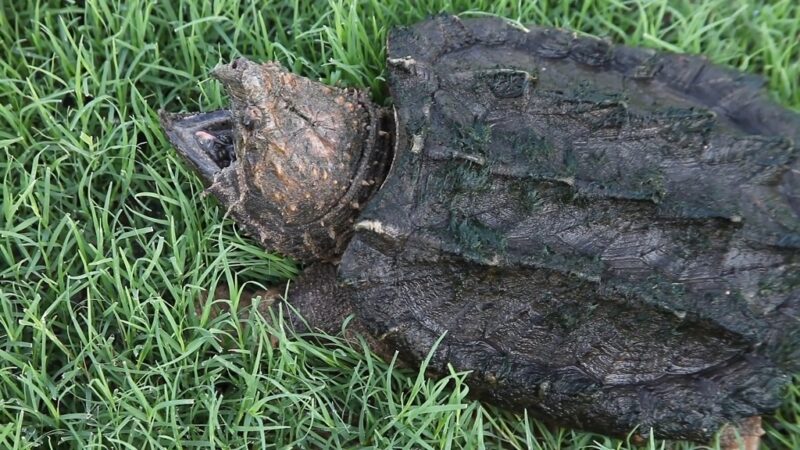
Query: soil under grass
(106, 241)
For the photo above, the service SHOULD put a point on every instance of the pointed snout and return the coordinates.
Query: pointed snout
(233, 75)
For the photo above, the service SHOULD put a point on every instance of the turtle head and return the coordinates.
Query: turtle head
(293, 160)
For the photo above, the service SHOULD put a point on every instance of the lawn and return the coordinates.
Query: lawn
(106, 241)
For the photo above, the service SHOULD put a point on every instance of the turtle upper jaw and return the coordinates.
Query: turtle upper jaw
(204, 140)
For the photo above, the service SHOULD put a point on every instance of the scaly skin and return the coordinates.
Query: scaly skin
(606, 236)
(307, 156)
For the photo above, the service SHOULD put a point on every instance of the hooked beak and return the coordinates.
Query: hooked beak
(204, 140)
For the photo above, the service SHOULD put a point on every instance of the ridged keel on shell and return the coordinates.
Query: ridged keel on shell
(608, 236)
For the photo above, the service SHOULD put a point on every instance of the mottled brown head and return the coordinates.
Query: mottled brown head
(293, 160)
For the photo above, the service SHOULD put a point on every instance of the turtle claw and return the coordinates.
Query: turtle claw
(746, 435)
(217, 305)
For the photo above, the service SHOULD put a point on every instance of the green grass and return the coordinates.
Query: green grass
(106, 240)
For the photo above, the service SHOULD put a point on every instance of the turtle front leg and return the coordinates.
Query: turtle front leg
(746, 435)
(321, 305)
(316, 303)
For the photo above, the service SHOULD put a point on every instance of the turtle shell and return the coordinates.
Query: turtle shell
(607, 236)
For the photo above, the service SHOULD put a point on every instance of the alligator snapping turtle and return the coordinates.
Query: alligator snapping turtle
(607, 236)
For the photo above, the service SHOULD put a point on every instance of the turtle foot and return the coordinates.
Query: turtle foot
(746, 435)
(222, 301)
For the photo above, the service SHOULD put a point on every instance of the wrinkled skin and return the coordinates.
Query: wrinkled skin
(307, 156)
(606, 236)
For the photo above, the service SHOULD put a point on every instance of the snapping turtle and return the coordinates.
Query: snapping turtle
(607, 236)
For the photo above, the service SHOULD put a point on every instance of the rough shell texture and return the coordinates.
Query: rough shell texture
(607, 236)
(305, 159)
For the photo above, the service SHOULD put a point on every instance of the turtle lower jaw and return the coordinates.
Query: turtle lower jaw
(204, 140)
